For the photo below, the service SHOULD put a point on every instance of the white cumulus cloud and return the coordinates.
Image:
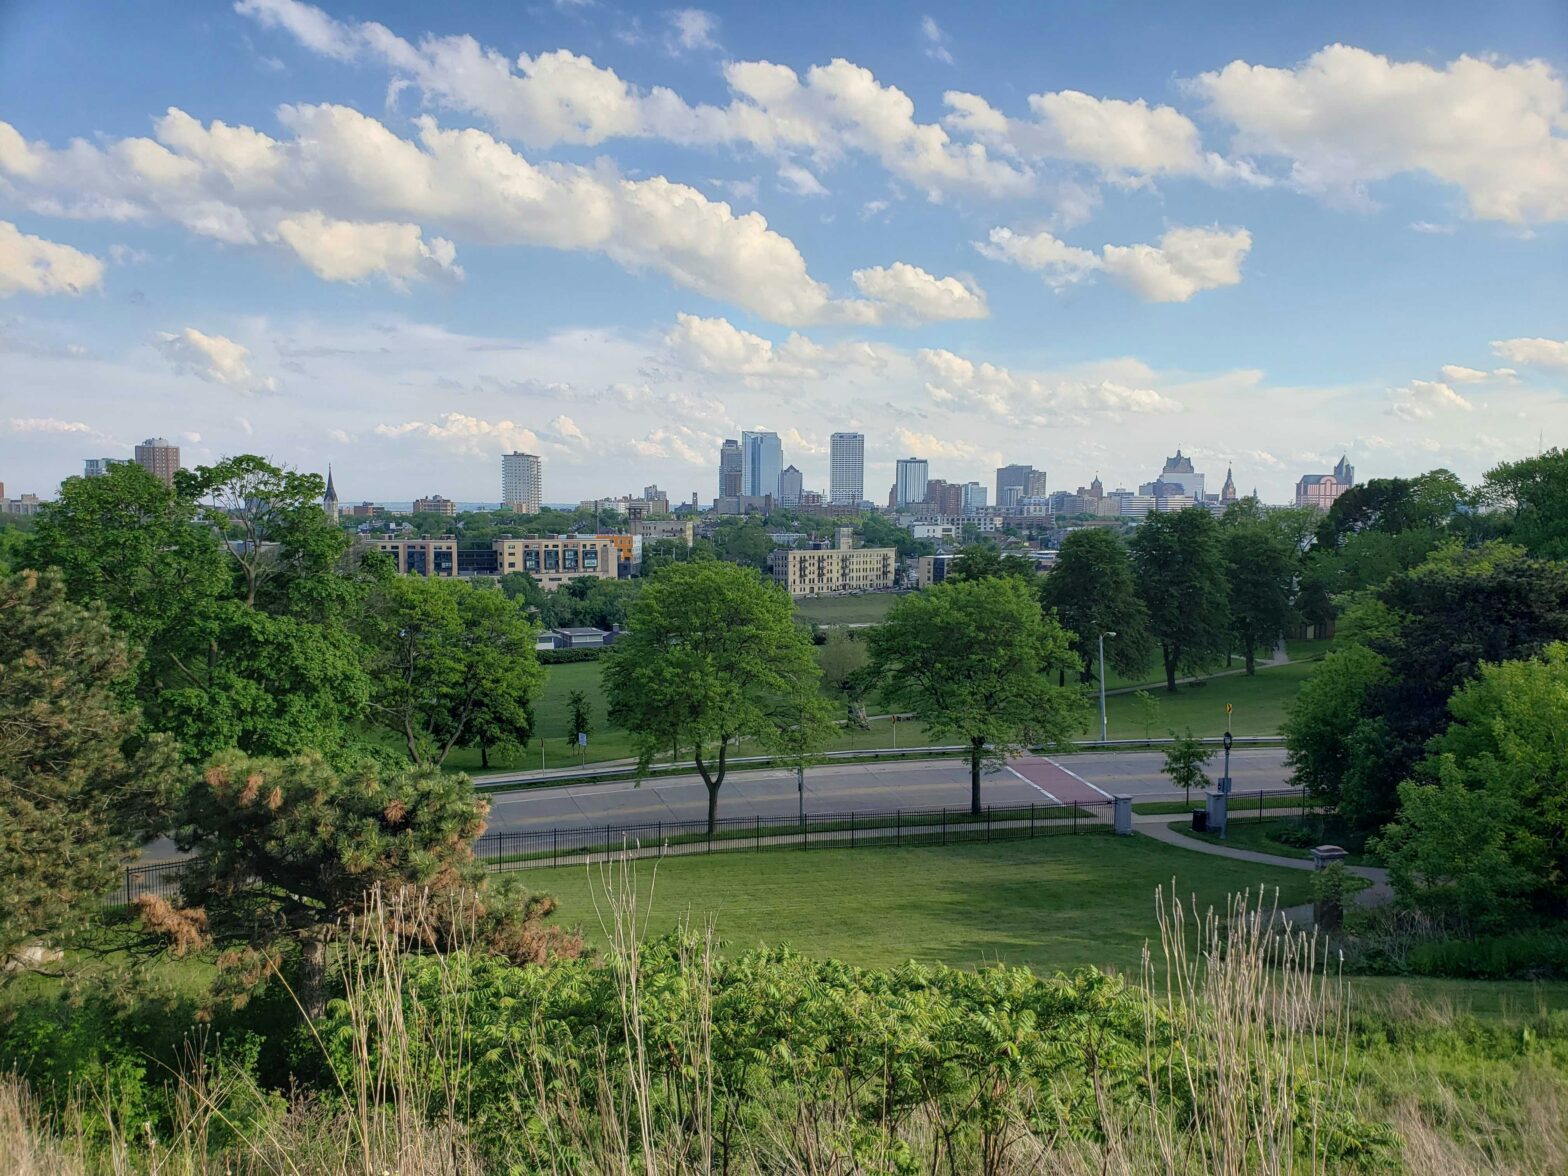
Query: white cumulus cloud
(349, 251)
(32, 265)
(908, 293)
(1420, 400)
(1346, 118)
(214, 358)
(1185, 262)
(1545, 353)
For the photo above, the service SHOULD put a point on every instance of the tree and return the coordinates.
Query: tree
(1532, 494)
(743, 541)
(1430, 501)
(1091, 588)
(1184, 761)
(843, 657)
(1148, 712)
(712, 656)
(1482, 830)
(1179, 568)
(287, 850)
(582, 715)
(975, 660)
(1260, 575)
(445, 654)
(78, 788)
(1322, 719)
(986, 561)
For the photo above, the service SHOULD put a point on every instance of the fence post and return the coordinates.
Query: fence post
(1123, 815)
(127, 885)
(759, 830)
(852, 829)
(898, 828)
(660, 832)
(944, 824)
(988, 824)
(555, 847)
(607, 843)
(1075, 816)
(1031, 820)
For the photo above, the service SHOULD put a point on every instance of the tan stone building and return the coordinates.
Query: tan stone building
(435, 504)
(422, 557)
(555, 561)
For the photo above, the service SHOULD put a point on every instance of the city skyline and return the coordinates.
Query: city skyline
(613, 236)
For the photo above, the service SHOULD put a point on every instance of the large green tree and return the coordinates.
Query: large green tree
(1091, 588)
(987, 561)
(1532, 497)
(1260, 578)
(445, 655)
(79, 788)
(1482, 830)
(1179, 568)
(1393, 505)
(978, 661)
(1321, 722)
(713, 656)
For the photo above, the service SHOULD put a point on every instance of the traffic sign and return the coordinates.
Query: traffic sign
(1229, 708)
(582, 739)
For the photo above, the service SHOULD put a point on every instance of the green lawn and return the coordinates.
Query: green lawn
(1300, 649)
(1054, 902)
(1259, 703)
(864, 609)
(1247, 832)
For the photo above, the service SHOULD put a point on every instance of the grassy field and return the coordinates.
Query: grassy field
(1259, 703)
(1055, 902)
(864, 609)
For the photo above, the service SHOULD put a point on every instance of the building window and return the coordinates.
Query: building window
(531, 560)
(552, 559)
(569, 559)
(590, 559)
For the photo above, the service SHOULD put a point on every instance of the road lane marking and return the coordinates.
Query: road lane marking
(1031, 784)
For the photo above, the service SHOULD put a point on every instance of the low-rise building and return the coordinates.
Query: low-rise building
(681, 530)
(422, 557)
(435, 504)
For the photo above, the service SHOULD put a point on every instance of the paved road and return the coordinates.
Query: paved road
(865, 787)
(845, 788)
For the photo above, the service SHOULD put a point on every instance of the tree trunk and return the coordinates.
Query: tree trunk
(312, 992)
(1252, 661)
(714, 781)
(1171, 657)
(976, 747)
(484, 755)
(713, 809)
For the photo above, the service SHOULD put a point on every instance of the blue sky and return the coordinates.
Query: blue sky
(405, 238)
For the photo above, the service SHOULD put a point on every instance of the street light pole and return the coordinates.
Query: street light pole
(1103, 636)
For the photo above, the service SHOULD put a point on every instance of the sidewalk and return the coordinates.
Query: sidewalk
(1378, 893)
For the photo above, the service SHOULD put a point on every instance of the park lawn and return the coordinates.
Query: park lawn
(866, 608)
(1259, 702)
(1301, 649)
(1052, 903)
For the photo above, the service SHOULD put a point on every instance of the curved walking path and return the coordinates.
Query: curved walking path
(1379, 892)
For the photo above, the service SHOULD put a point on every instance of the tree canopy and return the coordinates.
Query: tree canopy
(1092, 592)
(713, 656)
(1179, 568)
(976, 661)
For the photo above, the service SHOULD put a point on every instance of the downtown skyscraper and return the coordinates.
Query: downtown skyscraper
(761, 463)
(847, 471)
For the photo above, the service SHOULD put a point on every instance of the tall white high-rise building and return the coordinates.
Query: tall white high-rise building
(522, 483)
(909, 481)
(847, 473)
(761, 463)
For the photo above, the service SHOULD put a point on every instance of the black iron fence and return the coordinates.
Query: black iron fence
(850, 830)
(533, 848)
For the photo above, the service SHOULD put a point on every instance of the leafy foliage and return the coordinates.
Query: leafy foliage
(976, 660)
(1260, 572)
(1179, 567)
(1091, 588)
(713, 656)
(1184, 762)
(451, 664)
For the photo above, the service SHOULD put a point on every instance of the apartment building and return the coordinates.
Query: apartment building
(559, 559)
(422, 557)
(836, 570)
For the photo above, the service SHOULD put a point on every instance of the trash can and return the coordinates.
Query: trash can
(1200, 820)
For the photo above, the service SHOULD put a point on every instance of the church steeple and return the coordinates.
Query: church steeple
(329, 500)
(1228, 491)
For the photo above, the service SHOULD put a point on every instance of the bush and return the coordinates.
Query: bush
(562, 657)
